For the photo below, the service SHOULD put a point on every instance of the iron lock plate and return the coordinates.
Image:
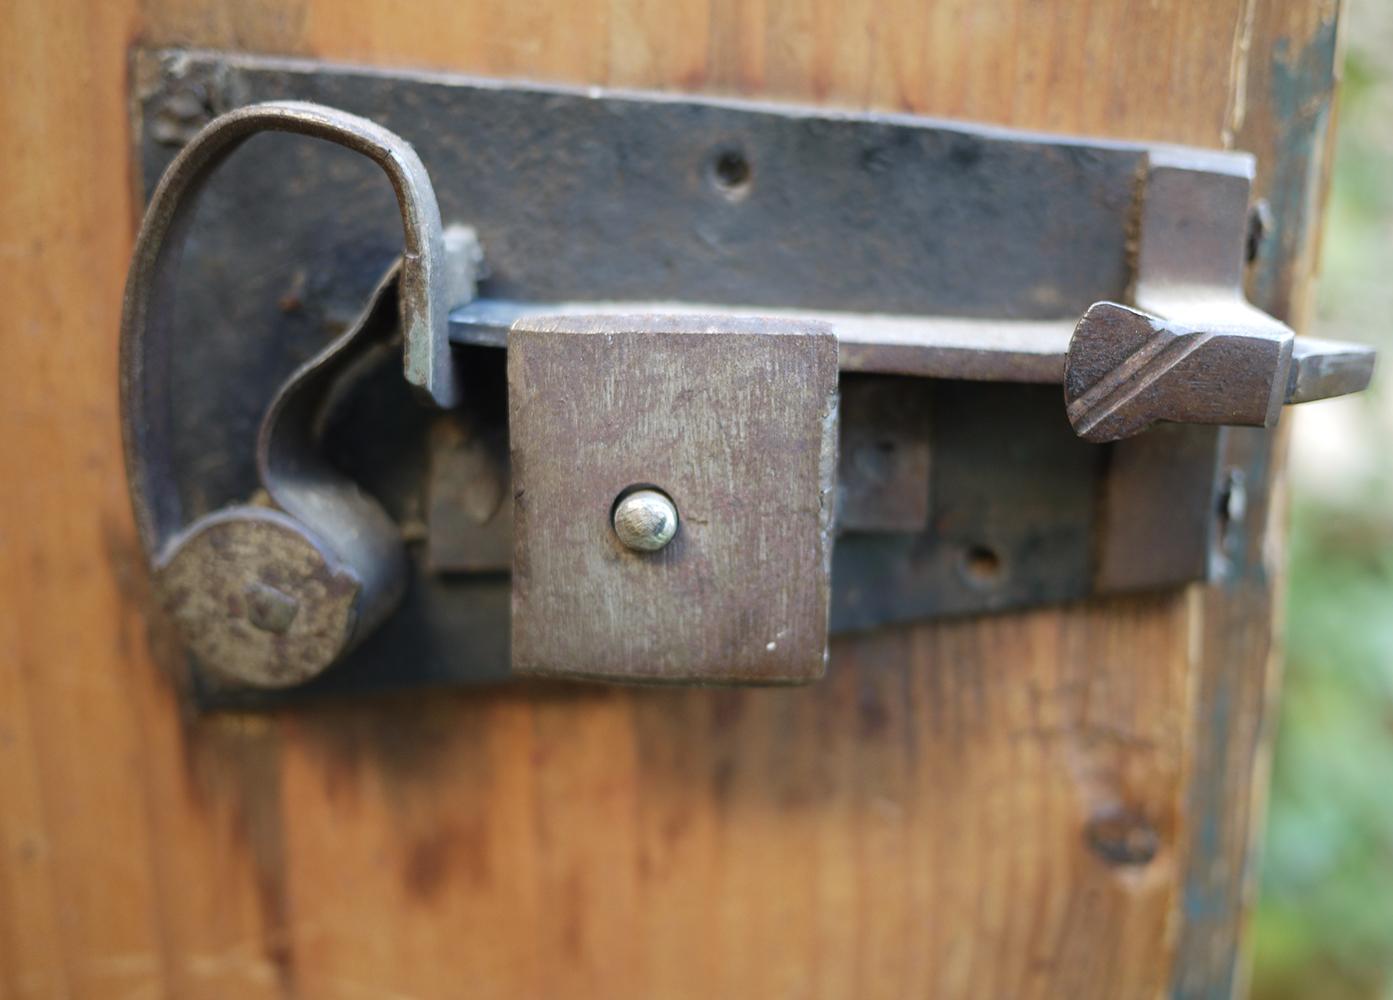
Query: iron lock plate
(968, 493)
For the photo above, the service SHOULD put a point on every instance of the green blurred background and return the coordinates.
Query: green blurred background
(1324, 923)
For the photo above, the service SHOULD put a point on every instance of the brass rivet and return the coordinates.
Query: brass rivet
(645, 520)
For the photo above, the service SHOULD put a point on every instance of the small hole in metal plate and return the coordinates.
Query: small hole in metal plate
(731, 173)
(982, 566)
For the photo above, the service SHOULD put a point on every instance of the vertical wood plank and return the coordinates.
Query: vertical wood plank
(75, 829)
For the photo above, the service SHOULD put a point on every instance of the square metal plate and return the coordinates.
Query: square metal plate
(735, 420)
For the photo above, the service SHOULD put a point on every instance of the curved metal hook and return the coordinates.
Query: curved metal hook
(147, 313)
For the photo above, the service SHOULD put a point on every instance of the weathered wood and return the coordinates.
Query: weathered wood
(950, 813)
(736, 422)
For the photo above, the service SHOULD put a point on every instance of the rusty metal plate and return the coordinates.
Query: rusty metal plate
(469, 509)
(823, 209)
(736, 422)
(1158, 520)
(885, 454)
(1011, 517)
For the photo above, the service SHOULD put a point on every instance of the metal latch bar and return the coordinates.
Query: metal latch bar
(977, 350)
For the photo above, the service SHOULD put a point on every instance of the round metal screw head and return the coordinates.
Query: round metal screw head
(645, 520)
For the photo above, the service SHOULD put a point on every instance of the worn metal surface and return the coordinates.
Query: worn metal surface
(1321, 369)
(293, 234)
(469, 513)
(884, 461)
(1195, 350)
(149, 318)
(333, 532)
(1179, 498)
(300, 480)
(1158, 518)
(1011, 515)
(978, 213)
(258, 599)
(736, 422)
(985, 350)
(1128, 369)
(272, 597)
(982, 350)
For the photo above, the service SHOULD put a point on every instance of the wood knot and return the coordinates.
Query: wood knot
(1122, 837)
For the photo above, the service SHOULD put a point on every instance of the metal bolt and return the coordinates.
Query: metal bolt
(645, 520)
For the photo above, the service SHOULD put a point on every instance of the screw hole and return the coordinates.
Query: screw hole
(1229, 518)
(731, 173)
(1260, 225)
(982, 566)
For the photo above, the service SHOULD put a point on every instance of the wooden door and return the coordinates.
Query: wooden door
(934, 819)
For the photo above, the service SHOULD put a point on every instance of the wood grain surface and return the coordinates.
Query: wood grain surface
(1058, 803)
